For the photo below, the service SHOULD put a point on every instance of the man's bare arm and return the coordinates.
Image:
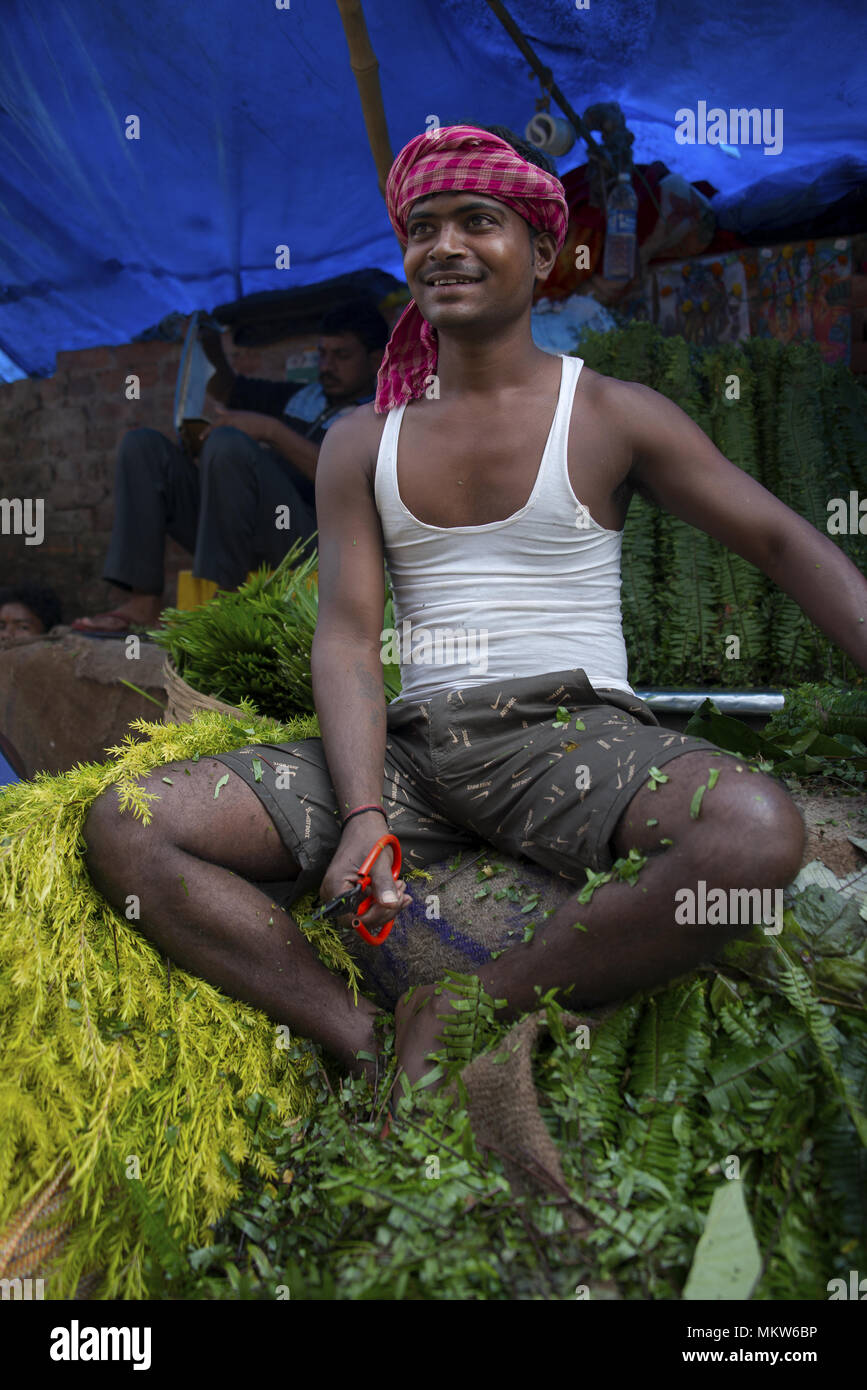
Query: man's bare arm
(347, 668)
(348, 687)
(265, 429)
(679, 468)
(303, 453)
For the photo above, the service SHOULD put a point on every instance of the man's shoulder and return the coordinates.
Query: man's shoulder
(360, 426)
(353, 441)
(608, 392)
(621, 408)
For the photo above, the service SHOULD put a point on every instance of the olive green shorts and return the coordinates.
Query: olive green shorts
(488, 763)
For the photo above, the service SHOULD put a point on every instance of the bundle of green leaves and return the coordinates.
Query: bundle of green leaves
(109, 1053)
(830, 708)
(794, 423)
(712, 1136)
(254, 643)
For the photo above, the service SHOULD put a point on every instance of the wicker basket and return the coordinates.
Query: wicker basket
(183, 701)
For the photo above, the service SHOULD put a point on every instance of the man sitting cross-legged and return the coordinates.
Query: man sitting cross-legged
(519, 560)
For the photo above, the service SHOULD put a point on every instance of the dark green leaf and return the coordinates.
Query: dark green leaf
(230, 1166)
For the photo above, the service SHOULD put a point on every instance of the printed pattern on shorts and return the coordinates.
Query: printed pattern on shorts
(552, 795)
(484, 763)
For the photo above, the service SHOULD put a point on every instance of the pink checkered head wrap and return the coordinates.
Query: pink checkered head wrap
(458, 157)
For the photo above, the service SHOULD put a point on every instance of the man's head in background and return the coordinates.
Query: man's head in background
(26, 610)
(352, 339)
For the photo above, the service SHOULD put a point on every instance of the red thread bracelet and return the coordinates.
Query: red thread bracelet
(360, 810)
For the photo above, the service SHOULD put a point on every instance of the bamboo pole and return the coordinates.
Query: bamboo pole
(362, 60)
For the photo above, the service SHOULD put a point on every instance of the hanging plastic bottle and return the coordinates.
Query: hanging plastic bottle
(620, 234)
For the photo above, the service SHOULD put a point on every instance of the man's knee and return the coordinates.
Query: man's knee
(114, 838)
(224, 448)
(202, 809)
(761, 822)
(139, 447)
(746, 817)
(108, 839)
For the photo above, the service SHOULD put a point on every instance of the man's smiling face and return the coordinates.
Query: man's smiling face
(472, 260)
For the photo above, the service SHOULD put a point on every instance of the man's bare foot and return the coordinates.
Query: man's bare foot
(139, 610)
(418, 1028)
(105, 624)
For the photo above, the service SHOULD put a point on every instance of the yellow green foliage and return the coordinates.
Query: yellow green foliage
(108, 1056)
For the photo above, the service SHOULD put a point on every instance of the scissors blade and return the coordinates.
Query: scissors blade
(344, 902)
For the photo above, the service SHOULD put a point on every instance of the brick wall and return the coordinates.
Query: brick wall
(58, 437)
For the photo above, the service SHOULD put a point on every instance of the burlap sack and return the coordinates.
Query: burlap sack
(503, 1106)
(449, 927)
(34, 1240)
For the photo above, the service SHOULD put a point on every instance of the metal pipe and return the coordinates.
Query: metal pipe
(752, 702)
(546, 77)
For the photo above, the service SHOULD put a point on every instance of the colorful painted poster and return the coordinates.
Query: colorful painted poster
(704, 299)
(801, 292)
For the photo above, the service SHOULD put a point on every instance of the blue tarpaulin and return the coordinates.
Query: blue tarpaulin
(8, 775)
(250, 134)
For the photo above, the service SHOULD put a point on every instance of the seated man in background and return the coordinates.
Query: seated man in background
(238, 504)
(26, 610)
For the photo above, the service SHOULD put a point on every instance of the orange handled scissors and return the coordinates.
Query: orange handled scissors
(354, 900)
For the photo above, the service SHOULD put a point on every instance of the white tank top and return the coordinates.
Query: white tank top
(538, 592)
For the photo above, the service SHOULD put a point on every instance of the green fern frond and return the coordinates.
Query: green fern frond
(639, 591)
(796, 986)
